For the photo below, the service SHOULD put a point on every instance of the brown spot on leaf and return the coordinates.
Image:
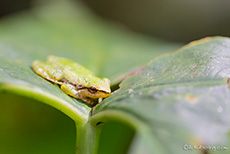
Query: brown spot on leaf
(191, 98)
(195, 74)
(228, 80)
(139, 74)
(136, 72)
(194, 67)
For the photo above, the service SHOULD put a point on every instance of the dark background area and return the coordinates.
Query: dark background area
(8, 7)
(174, 20)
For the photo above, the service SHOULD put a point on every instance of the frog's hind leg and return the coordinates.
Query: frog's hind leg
(46, 76)
(47, 71)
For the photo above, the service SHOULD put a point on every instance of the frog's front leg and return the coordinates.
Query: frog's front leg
(76, 93)
(69, 89)
(83, 95)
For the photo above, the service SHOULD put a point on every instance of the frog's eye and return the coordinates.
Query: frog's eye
(92, 90)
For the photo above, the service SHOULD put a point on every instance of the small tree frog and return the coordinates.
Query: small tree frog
(74, 79)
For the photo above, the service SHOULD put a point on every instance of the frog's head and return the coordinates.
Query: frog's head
(99, 90)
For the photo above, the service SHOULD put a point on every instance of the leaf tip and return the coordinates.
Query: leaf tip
(206, 39)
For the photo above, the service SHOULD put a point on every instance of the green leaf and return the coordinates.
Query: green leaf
(177, 100)
(70, 31)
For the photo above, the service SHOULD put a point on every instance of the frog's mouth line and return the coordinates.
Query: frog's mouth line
(80, 87)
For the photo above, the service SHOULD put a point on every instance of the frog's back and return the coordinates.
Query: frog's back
(72, 71)
(66, 64)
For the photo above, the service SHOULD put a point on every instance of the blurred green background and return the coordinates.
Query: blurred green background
(174, 20)
(28, 126)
